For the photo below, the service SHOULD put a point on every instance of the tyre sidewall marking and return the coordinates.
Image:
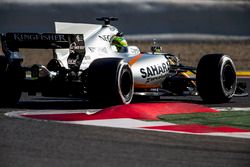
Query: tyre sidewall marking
(224, 60)
(119, 75)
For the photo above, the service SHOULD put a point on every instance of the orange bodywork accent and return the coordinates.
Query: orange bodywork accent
(135, 59)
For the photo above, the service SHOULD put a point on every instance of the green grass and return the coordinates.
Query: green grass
(240, 119)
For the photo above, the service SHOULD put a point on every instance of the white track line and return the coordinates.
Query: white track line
(127, 123)
(44, 112)
(232, 108)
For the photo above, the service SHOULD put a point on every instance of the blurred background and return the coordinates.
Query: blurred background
(219, 17)
(182, 26)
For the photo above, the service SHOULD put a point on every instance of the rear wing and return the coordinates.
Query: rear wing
(14, 41)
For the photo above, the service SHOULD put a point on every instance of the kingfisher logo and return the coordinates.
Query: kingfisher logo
(38, 37)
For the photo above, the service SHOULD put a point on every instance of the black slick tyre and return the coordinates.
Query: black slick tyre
(11, 79)
(216, 78)
(110, 82)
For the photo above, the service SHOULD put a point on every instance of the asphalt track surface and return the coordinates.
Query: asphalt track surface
(38, 143)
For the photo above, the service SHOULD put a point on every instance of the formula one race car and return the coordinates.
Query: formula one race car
(87, 64)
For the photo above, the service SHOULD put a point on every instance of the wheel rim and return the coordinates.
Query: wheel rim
(228, 77)
(126, 82)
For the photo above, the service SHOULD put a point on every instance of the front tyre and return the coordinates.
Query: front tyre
(216, 78)
(110, 82)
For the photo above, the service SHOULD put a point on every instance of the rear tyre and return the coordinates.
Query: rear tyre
(216, 78)
(11, 80)
(110, 82)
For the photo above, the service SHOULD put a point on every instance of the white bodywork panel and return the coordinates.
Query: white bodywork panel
(148, 71)
(77, 28)
(97, 41)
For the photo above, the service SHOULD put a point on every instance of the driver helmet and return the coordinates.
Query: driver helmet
(119, 42)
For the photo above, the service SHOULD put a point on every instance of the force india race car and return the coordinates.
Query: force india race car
(86, 64)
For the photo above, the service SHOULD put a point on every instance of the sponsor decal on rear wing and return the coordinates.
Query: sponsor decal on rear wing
(14, 41)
